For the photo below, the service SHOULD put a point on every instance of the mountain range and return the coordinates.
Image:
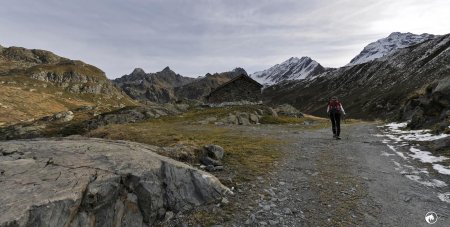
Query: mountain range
(306, 68)
(168, 86)
(377, 89)
(377, 83)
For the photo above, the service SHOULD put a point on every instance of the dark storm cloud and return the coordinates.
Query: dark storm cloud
(195, 37)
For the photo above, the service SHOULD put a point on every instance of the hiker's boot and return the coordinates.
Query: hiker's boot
(338, 138)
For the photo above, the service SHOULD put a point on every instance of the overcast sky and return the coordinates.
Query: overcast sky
(199, 36)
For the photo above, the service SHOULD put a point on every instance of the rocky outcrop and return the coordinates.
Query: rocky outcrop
(288, 110)
(61, 117)
(135, 114)
(431, 109)
(40, 127)
(92, 182)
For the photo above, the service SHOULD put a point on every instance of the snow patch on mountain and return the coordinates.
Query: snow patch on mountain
(291, 69)
(388, 45)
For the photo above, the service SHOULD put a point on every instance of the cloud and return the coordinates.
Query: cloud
(196, 37)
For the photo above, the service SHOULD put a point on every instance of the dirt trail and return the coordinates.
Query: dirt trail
(357, 181)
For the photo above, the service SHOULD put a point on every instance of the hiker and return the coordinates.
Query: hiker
(335, 110)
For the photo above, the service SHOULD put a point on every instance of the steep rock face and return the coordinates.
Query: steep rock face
(202, 86)
(375, 89)
(388, 45)
(73, 76)
(92, 182)
(155, 87)
(291, 69)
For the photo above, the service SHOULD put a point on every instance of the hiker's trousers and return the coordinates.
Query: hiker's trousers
(335, 118)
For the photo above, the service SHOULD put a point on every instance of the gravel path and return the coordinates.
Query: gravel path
(357, 181)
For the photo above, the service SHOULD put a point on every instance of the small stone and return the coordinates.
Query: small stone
(224, 201)
(210, 168)
(263, 223)
(168, 216)
(287, 211)
(266, 207)
(272, 222)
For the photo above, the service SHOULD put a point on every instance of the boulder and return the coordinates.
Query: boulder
(214, 151)
(254, 118)
(273, 113)
(78, 181)
(62, 117)
(232, 119)
(207, 161)
(288, 110)
(243, 118)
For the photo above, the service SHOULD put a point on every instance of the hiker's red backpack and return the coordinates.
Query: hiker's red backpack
(335, 106)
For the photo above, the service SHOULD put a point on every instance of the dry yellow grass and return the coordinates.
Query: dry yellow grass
(18, 104)
(24, 99)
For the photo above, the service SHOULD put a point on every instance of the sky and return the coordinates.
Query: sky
(205, 36)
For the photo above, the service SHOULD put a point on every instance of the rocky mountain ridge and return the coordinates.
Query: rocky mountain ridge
(167, 86)
(154, 87)
(291, 69)
(388, 45)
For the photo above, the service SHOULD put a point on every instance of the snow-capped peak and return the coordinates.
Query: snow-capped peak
(292, 69)
(388, 45)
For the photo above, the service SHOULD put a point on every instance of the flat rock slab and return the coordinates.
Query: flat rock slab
(77, 181)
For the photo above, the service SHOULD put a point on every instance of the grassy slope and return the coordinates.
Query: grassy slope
(23, 99)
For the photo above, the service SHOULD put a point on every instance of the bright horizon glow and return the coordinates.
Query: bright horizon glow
(198, 37)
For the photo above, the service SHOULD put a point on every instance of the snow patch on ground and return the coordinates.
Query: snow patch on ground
(384, 153)
(397, 152)
(425, 156)
(441, 169)
(431, 183)
(445, 197)
(395, 132)
(399, 140)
